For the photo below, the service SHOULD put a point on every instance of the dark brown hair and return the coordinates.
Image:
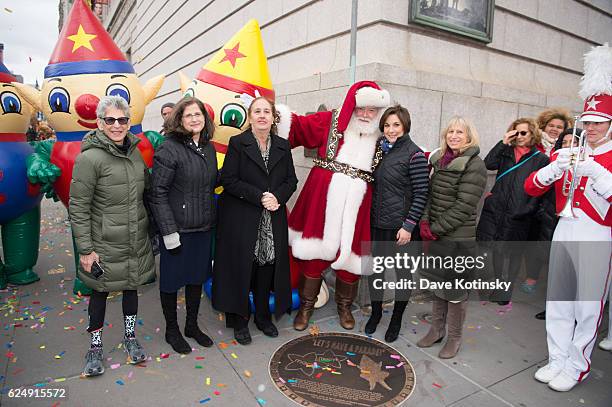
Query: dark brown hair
(402, 114)
(275, 116)
(174, 125)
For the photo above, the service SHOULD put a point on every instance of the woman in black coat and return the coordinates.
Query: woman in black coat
(508, 212)
(252, 251)
(182, 202)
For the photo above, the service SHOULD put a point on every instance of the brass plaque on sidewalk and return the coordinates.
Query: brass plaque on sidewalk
(341, 369)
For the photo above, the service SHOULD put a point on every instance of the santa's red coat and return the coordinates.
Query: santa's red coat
(331, 217)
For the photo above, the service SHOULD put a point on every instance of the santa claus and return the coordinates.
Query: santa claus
(330, 222)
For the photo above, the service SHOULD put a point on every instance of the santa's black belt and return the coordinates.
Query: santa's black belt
(342, 168)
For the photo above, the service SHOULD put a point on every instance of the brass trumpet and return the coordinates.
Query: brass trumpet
(569, 186)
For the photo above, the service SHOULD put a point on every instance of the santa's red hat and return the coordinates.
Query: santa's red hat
(361, 94)
(84, 47)
(596, 85)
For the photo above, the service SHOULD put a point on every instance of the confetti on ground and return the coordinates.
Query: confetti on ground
(221, 385)
(198, 366)
(398, 357)
(318, 375)
(351, 353)
(350, 363)
(261, 401)
(199, 358)
(217, 393)
(223, 345)
(206, 400)
(389, 367)
(247, 373)
(115, 366)
(400, 364)
(261, 388)
(437, 385)
(164, 355)
(60, 379)
(208, 381)
(496, 327)
(291, 381)
(234, 355)
(414, 322)
(120, 382)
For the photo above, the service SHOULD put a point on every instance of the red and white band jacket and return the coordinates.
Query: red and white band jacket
(593, 197)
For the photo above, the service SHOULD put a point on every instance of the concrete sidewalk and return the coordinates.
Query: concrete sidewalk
(44, 340)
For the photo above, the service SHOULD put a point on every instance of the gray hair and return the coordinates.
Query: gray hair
(112, 101)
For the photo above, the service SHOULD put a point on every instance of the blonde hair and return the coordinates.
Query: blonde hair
(467, 126)
(533, 129)
(555, 113)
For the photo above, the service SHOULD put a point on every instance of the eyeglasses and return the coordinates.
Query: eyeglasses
(522, 133)
(111, 120)
(193, 116)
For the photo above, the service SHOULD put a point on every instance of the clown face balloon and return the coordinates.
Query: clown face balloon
(85, 66)
(237, 72)
(17, 195)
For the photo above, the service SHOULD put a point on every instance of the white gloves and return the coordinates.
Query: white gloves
(599, 175)
(172, 241)
(555, 169)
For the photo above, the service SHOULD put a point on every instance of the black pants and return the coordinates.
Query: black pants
(97, 307)
(262, 282)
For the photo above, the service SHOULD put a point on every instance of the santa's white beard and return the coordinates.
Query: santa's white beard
(356, 126)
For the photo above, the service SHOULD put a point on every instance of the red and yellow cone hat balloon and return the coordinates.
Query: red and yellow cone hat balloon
(239, 67)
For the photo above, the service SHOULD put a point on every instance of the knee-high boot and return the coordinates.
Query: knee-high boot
(345, 294)
(308, 296)
(437, 329)
(192, 301)
(173, 335)
(456, 317)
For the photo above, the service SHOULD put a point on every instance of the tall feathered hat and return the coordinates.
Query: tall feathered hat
(596, 85)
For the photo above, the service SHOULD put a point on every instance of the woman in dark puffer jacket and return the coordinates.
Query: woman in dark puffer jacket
(508, 212)
(182, 202)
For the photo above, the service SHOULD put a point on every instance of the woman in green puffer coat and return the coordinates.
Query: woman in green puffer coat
(456, 186)
(110, 224)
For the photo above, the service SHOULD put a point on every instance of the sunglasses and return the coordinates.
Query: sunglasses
(522, 133)
(111, 120)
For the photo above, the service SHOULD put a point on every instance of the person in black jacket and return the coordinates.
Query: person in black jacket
(182, 201)
(401, 183)
(508, 212)
(252, 250)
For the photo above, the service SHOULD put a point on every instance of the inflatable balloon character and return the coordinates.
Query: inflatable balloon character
(19, 199)
(232, 78)
(227, 84)
(85, 66)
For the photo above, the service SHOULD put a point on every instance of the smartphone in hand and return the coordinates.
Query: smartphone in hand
(96, 270)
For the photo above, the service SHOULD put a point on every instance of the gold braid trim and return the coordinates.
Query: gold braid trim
(345, 169)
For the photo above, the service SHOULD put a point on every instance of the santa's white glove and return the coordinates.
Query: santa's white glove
(172, 241)
(555, 169)
(601, 177)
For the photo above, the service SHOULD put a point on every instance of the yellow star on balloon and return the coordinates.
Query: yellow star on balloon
(81, 39)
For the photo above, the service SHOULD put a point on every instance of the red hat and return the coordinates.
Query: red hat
(361, 94)
(597, 109)
(596, 85)
(84, 47)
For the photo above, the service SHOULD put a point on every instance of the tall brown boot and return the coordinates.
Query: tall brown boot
(437, 329)
(456, 317)
(308, 296)
(345, 294)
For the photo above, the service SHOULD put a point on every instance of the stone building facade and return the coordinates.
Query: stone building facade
(533, 61)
